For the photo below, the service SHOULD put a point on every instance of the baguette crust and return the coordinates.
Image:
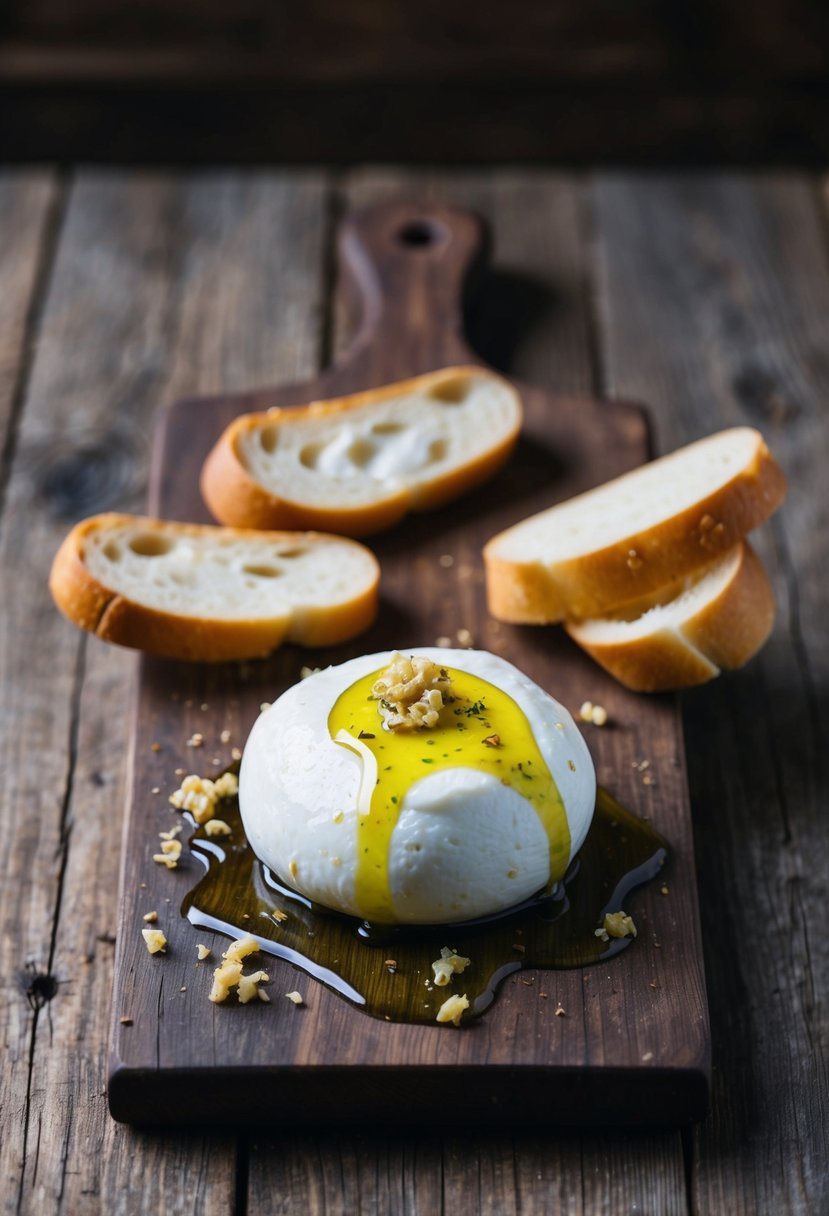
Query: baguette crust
(631, 569)
(723, 631)
(116, 617)
(237, 498)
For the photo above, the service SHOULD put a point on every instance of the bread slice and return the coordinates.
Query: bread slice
(187, 591)
(719, 621)
(358, 464)
(636, 535)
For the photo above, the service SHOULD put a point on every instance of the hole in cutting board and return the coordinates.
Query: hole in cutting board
(418, 234)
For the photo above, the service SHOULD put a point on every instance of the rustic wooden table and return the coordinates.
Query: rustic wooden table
(705, 296)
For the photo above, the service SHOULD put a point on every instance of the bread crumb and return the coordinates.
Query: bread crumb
(647, 1056)
(559, 1011)
(664, 889)
(236, 753)
(279, 916)
(203, 952)
(295, 997)
(517, 946)
(217, 827)
(171, 835)
(264, 705)
(196, 740)
(293, 868)
(125, 1021)
(305, 672)
(452, 1009)
(390, 964)
(240, 949)
(446, 560)
(155, 940)
(156, 789)
(443, 642)
(199, 795)
(155, 747)
(595, 714)
(150, 917)
(616, 924)
(224, 737)
(411, 692)
(183, 988)
(448, 966)
(465, 638)
(248, 986)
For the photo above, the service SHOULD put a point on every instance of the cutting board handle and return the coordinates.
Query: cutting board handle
(407, 267)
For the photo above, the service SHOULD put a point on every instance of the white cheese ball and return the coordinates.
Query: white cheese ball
(465, 844)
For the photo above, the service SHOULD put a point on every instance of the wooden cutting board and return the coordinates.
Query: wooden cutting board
(632, 1045)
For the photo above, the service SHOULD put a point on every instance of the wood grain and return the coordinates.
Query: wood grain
(715, 293)
(119, 324)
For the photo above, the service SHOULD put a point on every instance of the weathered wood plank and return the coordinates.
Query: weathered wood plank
(715, 294)
(536, 324)
(30, 204)
(161, 285)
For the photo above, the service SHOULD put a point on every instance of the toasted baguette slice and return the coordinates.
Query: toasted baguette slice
(630, 537)
(358, 464)
(186, 591)
(719, 621)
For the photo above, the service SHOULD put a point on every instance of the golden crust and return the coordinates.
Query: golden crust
(115, 618)
(236, 498)
(724, 633)
(604, 580)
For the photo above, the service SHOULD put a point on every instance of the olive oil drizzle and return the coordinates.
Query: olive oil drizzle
(482, 728)
(238, 896)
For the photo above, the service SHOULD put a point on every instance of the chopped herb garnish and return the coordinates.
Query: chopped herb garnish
(364, 734)
(426, 760)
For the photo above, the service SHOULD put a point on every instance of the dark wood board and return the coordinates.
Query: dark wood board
(633, 1044)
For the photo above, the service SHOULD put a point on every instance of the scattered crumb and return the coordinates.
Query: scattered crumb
(150, 917)
(183, 988)
(179, 772)
(517, 946)
(293, 868)
(199, 795)
(465, 638)
(571, 765)
(448, 966)
(265, 705)
(204, 707)
(125, 1021)
(559, 726)
(156, 789)
(597, 714)
(305, 672)
(230, 975)
(196, 740)
(443, 642)
(647, 1056)
(224, 737)
(155, 747)
(446, 560)
(295, 998)
(452, 1009)
(616, 924)
(279, 916)
(664, 889)
(559, 1011)
(236, 753)
(391, 965)
(171, 835)
(155, 940)
(216, 827)
(203, 952)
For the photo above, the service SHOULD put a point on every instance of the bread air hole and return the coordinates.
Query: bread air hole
(387, 428)
(289, 553)
(263, 571)
(437, 450)
(112, 551)
(310, 454)
(451, 392)
(268, 439)
(150, 544)
(361, 452)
